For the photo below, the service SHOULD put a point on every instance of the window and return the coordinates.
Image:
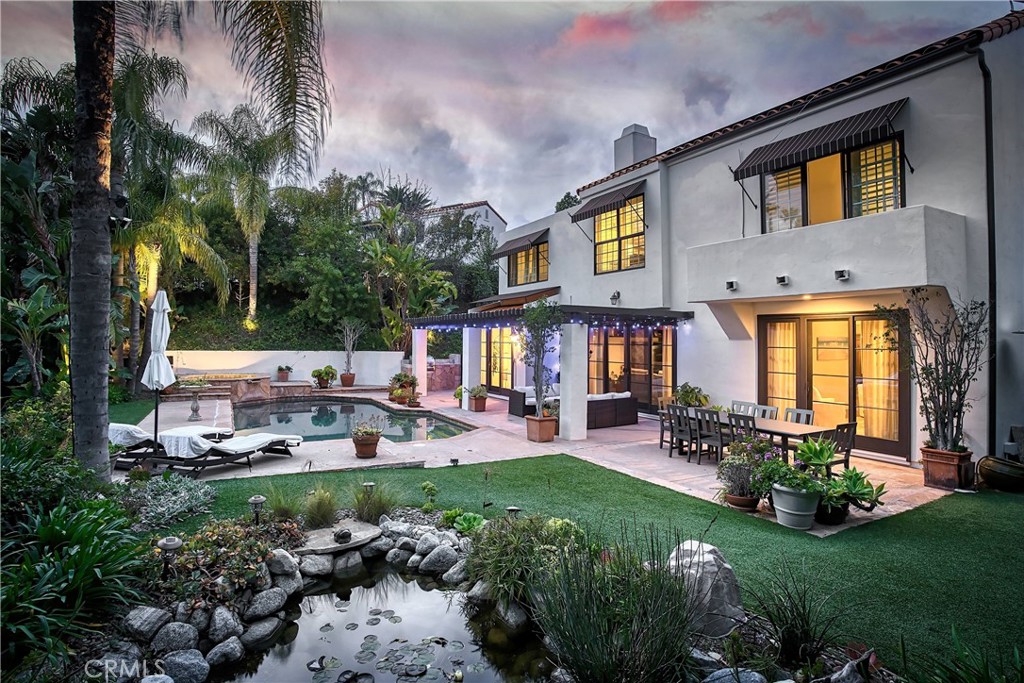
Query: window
(619, 238)
(846, 185)
(529, 265)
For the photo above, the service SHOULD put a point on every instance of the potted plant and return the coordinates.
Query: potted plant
(691, 396)
(393, 390)
(797, 488)
(404, 380)
(458, 393)
(414, 400)
(538, 328)
(366, 435)
(402, 396)
(839, 493)
(478, 398)
(553, 409)
(282, 372)
(350, 330)
(736, 471)
(325, 376)
(948, 346)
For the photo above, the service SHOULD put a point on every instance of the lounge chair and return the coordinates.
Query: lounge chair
(196, 453)
(138, 443)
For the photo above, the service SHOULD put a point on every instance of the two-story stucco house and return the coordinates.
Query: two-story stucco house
(749, 260)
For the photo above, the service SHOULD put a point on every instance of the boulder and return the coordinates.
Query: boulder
(231, 650)
(223, 625)
(480, 593)
(561, 676)
(198, 617)
(281, 562)
(396, 529)
(259, 634)
(705, 663)
(457, 574)
(348, 564)
(466, 544)
(731, 675)
(849, 673)
(157, 678)
(263, 579)
(713, 583)
(406, 543)
(143, 622)
(441, 559)
(124, 658)
(514, 616)
(289, 583)
(265, 603)
(414, 561)
(175, 636)
(427, 543)
(223, 588)
(186, 666)
(376, 548)
(398, 557)
(449, 537)
(316, 565)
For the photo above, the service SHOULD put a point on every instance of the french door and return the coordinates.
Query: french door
(839, 367)
(497, 360)
(637, 360)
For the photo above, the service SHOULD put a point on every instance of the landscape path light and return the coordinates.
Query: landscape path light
(256, 503)
(169, 546)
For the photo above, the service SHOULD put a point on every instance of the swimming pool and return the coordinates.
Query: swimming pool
(334, 419)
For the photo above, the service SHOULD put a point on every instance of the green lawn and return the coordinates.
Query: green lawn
(131, 412)
(956, 561)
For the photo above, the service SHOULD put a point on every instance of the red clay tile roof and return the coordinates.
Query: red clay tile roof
(971, 38)
(461, 207)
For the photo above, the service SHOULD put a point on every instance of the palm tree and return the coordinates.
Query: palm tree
(245, 159)
(277, 46)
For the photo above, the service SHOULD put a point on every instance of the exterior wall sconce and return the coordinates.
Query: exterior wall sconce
(731, 285)
(256, 503)
(615, 298)
(843, 275)
(169, 546)
(782, 280)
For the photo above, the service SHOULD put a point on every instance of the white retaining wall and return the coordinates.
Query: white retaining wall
(371, 367)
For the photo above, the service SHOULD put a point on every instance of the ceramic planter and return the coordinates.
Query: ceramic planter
(947, 469)
(795, 508)
(401, 400)
(745, 503)
(366, 446)
(282, 375)
(348, 379)
(540, 429)
(1002, 474)
(831, 516)
(323, 383)
(478, 405)
(413, 404)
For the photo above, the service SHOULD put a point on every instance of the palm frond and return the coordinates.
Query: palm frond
(140, 22)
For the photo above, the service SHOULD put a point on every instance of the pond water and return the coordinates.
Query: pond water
(334, 419)
(391, 627)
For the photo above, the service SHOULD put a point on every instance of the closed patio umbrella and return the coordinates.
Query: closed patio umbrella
(159, 374)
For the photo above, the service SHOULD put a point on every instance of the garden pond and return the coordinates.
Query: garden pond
(392, 627)
(321, 420)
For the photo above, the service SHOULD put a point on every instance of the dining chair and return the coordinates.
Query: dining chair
(741, 425)
(799, 415)
(742, 407)
(710, 433)
(665, 419)
(680, 433)
(766, 412)
(843, 436)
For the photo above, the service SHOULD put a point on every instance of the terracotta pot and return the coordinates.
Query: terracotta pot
(366, 446)
(947, 469)
(540, 429)
(348, 379)
(282, 375)
(831, 516)
(478, 405)
(401, 400)
(323, 383)
(745, 503)
(795, 508)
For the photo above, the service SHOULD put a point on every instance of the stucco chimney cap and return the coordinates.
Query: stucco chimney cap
(635, 128)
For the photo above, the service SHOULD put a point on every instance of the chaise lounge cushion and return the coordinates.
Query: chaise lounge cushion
(197, 447)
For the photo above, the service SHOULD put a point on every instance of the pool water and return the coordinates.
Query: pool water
(380, 625)
(321, 420)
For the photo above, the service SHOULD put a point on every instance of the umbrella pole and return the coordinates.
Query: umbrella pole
(156, 419)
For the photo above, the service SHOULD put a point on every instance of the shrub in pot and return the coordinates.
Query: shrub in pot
(366, 435)
(539, 326)
(839, 493)
(736, 471)
(404, 380)
(349, 331)
(478, 398)
(414, 400)
(282, 372)
(691, 396)
(797, 488)
(402, 396)
(325, 376)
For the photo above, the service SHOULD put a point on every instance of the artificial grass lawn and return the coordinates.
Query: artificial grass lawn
(131, 412)
(954, 562)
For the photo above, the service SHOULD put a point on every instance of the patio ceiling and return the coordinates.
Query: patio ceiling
(594, 316)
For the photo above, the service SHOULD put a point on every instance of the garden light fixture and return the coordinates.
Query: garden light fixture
(368, 487)
(169, 546)
(256, 503)
(513, 511)
(454, 462)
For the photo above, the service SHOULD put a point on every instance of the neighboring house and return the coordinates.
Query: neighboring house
(482, 211)
(749, 260)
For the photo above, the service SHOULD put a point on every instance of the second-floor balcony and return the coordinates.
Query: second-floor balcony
(913, 246)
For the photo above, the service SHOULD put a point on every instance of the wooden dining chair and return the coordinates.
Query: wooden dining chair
(799, 415)
(742, 407)
(680, 433)
(766, 412)
(665, 419)
(741, 425)
(710, 434)
(843, 436)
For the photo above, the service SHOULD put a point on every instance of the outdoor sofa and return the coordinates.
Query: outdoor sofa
(613, 409)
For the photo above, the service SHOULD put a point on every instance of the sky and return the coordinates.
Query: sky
(518, 102)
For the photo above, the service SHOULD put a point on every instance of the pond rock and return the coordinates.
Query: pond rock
(289, 583)
(281, 562)
(449, 537)
(223, 588)
(705, 662)
(376, 548)
(263, 578)
(175, 636)
(396, 529)
(560, 675)
(457, 574)
(426, 543)
(157, 678)
(730, 675)
(466, 544)
(441, 559)
(480, 593)
(398, 557)
(514, 616)
(414, 561)
(406, 543)
(127, 655)
(719, 606)
(348, 564)
(198, 617)
(848, 674)
(260, 633)
(231, 650)
(223, 625)
(186, 666)
(316, 565)
(143, 622)
(265, 603)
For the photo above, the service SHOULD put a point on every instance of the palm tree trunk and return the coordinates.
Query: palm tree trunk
(117, 190)
(90, 233)
(136, 317)
(254, 248)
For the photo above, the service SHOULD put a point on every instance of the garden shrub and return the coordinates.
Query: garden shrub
(448, 517)
(321, 507)
(617, 615)
(468, 522)
(118, 393)
(46, 422)
(35, 474)
(283, 505)
(370, 505)
(161, 501)
(966, 665)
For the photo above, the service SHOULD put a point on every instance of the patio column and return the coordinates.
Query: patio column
(470, 361)
(419, 359)
(572, 416)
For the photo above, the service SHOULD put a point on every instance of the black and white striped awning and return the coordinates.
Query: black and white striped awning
(615, 199)
(855, 131)
(519, 243)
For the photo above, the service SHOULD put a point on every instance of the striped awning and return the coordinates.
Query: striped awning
(607, 202)
(855, 131)
(519, 243)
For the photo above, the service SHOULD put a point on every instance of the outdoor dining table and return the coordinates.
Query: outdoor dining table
(780, 428)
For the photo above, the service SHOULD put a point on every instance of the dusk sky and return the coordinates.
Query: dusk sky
(516, 103)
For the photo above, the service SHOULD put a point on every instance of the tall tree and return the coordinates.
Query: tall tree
(567, 201)
(278, 47)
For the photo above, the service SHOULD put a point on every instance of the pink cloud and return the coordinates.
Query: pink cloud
(615, 28)
(797, 15)
(676, 11)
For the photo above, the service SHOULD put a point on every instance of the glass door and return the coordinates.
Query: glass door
(829, 366)
(640, 367)
(780, 363)
(662, 353)
(877, 377)
(497, 360)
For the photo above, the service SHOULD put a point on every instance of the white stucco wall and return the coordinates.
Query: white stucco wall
(373, 368)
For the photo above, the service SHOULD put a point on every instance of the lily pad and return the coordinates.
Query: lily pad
(347, 676)
(375, 611)
(415, 670)
(456, 645)
(370, 645)
(364, 678)
(432, 674)
(388, 613)
(342, 604)
(373, 621)
(327, 628)
(395, 620)
(316, 664)
(351, 627)
(478, 667)
(365, 656)
(370, 637)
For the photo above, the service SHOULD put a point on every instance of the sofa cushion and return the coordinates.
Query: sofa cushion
(620, 394)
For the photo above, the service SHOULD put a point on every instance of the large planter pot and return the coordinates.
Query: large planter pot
(947, 469)
(348, 379)
(366, 446)
(401, 400)
(323, 383)
(1002, 474)
(282, 375)
(745, 503)
(540, 429)
(795, 508)
(478, 405)
(832, 516)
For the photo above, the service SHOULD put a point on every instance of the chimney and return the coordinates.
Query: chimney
(636, 144)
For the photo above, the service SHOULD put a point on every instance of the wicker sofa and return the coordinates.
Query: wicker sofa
(603, 410)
